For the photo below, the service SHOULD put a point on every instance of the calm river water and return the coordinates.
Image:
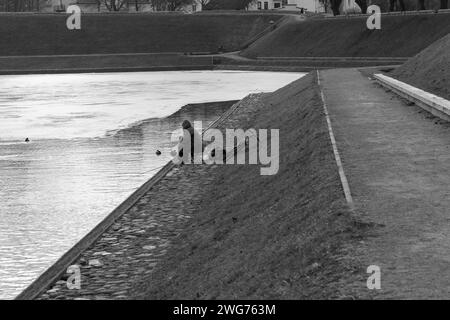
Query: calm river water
(89, 149)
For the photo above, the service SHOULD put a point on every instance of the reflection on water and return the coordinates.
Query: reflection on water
(54, 191)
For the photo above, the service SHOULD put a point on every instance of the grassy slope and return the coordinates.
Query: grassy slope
(101, 61)
(400, 36)
(284, 244)
(108, 33)
(430, 69)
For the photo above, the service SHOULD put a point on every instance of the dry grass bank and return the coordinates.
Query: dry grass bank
(287, 236)
(46, 34)
(430, 69)
(400, 36)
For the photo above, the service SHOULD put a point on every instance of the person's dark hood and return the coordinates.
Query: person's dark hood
(186, 124)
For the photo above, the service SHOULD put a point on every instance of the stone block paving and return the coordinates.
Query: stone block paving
(132, 247)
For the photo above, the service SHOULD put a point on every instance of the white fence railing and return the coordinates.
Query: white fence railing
(434, 104)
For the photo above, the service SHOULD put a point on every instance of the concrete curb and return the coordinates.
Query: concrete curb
(397, 59)
(105, 70)
(242, 67)
(394, 13)
(52, 274)
(436, 105)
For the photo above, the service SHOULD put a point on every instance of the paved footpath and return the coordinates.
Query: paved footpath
(397, 160)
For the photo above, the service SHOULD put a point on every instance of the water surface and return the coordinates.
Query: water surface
(89, 150)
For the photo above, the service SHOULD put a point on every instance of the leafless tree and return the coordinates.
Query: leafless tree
(174, 5)
(362, 4)
(421, 5)
(335, 4)
(115, 5)
(159, 5)
(325, 4)
(19, 5)
(395, 5)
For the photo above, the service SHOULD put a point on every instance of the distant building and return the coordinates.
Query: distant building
(266, 5)
(314, 6)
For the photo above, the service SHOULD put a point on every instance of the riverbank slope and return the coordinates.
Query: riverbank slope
(286, 236)
(225, 231)
(104, 33)
(430, 69)
(400, 36)
(41, 43)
